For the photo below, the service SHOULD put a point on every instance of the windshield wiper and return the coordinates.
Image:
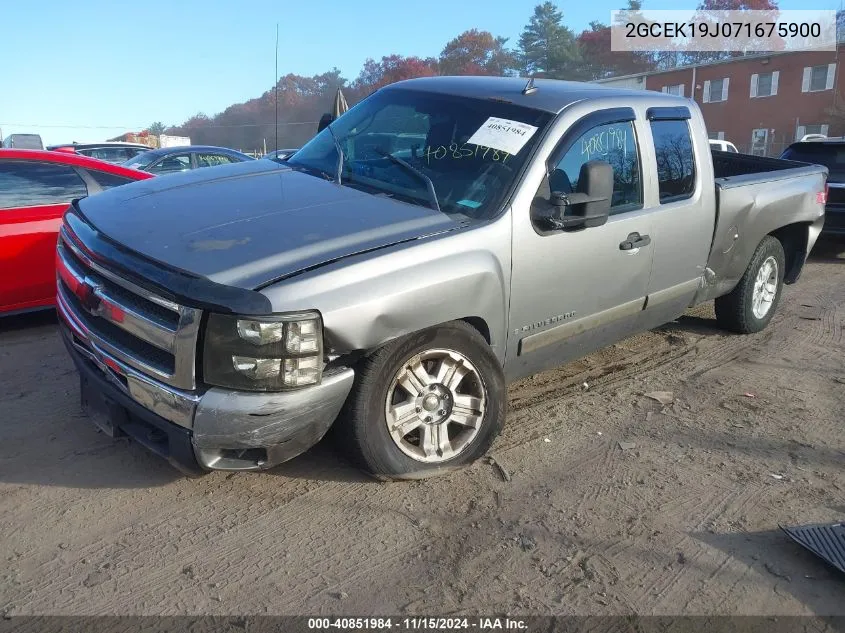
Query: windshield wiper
(432, 194)
(339, 154)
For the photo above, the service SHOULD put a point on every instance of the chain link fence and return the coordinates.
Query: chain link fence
(764, 144)
(769, 143)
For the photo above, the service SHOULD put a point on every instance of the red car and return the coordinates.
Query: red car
(35, 189)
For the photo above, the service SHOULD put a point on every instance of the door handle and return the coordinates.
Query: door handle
(634, 240)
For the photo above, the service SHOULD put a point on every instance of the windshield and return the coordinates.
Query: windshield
(470, 150)
(141, 160)
(830, 155)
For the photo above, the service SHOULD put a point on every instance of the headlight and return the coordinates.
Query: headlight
(271, 353)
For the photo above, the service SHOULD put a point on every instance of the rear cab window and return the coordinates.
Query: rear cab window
(33, 183)
(673, 150)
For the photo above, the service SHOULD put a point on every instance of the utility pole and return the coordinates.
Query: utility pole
(276, 84)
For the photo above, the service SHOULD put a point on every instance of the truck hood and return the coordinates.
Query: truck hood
(250, 223)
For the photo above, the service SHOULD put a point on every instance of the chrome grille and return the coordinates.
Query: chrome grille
(145, 331)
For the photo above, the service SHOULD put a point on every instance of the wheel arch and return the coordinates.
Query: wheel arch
(479, 324)
(367, 304)
(353, 357)
(795, 241)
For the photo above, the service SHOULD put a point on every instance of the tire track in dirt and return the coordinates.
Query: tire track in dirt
(824, 330)
(673, 579)
(662, 349)
(559, 391)
(259, 536)
(215, 495)
(703, 355)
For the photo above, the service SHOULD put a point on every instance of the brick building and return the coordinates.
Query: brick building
(761, 103)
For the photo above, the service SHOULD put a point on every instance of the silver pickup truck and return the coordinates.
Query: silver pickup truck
(442, 238)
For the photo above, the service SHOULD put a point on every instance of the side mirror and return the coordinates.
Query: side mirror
(590, 203)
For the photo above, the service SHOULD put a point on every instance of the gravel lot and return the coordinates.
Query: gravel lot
(680, 518)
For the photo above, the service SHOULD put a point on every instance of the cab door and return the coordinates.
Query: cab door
(573, 292)
(684, 212)
(33, 197)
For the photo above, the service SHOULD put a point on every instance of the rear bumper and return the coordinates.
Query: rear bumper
(834, 219)
(229, 430)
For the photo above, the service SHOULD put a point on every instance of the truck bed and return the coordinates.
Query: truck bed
(732, 169)
(755, 195)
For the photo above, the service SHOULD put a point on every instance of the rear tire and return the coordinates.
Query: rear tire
(424, 405)
(750, 306)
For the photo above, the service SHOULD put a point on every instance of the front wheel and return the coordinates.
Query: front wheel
(424, 404)
(750, 306)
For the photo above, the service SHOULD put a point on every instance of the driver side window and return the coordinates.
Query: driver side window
(614, 143)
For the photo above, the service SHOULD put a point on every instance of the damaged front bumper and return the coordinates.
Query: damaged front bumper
(275, 426)
(218, 429)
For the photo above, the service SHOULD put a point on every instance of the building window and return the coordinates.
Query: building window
(818, 78)
(803, 130)
(764, 84)
(716, 136)
(677, 90)
(716, 90)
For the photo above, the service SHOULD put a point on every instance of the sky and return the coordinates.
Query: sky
(92, 69)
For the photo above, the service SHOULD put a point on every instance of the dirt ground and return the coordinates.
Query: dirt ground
(685, 521)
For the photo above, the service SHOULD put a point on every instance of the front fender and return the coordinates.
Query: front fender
(368, 300)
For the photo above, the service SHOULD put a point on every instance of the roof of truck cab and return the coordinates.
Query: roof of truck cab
(551, 95)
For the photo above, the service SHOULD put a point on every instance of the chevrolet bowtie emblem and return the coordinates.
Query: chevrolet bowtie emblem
(87, 294)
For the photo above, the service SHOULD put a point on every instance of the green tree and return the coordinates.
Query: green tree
(548, 47)
(392, 68)
(477, 52)
(599, 61)
(157, 128)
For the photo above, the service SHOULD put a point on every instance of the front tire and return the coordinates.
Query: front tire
(424, 404)
(750, 306)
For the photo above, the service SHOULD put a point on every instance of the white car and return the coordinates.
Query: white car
(723, 146)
